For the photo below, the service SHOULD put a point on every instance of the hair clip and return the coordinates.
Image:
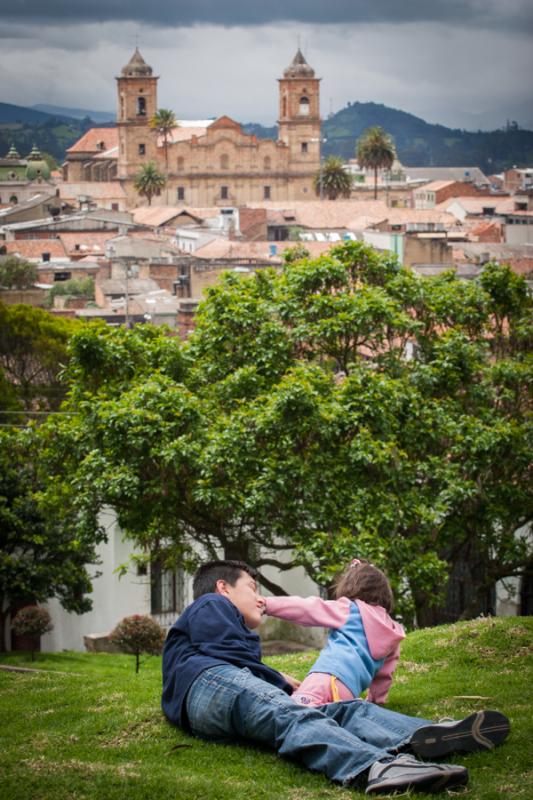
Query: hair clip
(355, 562)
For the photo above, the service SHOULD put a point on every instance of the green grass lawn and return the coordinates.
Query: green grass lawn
(86, 726)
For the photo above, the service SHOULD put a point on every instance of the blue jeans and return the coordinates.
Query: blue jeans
(341, 740)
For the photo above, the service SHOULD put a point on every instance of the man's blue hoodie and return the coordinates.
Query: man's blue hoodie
(211, 632)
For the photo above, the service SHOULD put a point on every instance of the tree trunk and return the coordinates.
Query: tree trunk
(375, 183)
(467, 595)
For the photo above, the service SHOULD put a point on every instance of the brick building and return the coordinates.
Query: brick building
(207, 163)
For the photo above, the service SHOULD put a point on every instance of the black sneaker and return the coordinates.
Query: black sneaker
(482, 730)
(405, 772)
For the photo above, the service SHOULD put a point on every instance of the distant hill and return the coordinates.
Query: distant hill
(29, 116)
(78, 113)
(419, 143)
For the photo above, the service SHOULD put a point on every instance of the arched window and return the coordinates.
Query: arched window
(267, 162)
(304, 106)
(13, 199)
(141, 106)
(181, 163)
(224, 161)
(284, 106)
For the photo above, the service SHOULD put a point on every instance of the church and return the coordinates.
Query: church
(208, 162)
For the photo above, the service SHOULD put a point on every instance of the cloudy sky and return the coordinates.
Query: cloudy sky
(467, 63)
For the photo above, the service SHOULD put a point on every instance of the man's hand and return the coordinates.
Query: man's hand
(294, 682)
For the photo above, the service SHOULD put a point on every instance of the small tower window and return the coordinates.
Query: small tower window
(266, 192)
(284, 106)
(304, 106)
(142, 149)
(267, 162)
(224, 161)
(304, 147)
(141, 106)
(181, 193)
(181, 163)
(224, 192)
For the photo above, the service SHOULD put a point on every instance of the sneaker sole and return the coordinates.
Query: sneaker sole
(482, 730)
(431, 784)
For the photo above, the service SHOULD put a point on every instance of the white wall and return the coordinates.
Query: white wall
(113, 597)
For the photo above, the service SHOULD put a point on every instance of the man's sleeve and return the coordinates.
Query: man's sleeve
(309, 610)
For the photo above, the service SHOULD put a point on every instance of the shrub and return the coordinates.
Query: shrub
(32, 621)
(138, 634)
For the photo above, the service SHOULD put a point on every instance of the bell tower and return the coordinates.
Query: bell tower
(137, 103)
(299, 113)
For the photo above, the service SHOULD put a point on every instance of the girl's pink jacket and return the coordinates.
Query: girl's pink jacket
(382, 633)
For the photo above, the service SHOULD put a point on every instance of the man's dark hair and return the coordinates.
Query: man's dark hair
(206, 577)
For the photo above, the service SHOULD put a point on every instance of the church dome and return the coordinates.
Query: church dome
(299, 68)
(13, 153)
(136, 67)
(37, 168)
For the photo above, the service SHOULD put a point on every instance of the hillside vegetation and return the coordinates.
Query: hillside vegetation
(86, 727)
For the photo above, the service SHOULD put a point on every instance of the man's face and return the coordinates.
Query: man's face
(245, 596)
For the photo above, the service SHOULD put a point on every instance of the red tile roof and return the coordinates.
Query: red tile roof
(90, 141)
(34, 248)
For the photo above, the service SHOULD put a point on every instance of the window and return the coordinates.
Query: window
(13, 199)
(224, 192)
(141, 106)
(304, 147)
(114, 206)
(62, 276)
(267, 163)
(266, 192)
(224, 161)
(181, 163)
(142, 149)
(180, 193)
(304, 106)
(284, 106)
(167, 590)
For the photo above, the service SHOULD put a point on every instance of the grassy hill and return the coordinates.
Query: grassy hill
(419, 143)
(86, 727)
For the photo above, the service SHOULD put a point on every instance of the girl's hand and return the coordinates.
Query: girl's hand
(294, 682)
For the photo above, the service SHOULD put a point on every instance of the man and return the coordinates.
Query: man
(216, 686)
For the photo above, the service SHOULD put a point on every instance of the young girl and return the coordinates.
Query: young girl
(364, 642)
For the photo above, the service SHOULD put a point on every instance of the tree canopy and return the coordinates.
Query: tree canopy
(164, 121)
(16, 273)
(375, 150)
(43, 555)
(149, 181)
(332, 180)
(342, 407)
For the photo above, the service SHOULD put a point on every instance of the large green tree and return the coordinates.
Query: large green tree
(149, 181)
(375, 150)
(17, 273)
(33, 350)
(342, 407)
(43, 554)
(332, 180)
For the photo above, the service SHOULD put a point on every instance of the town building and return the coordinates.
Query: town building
(206, 162)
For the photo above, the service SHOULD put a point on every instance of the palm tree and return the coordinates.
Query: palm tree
(163, 121)
(375, 149)
(332, 180)
(149, 181)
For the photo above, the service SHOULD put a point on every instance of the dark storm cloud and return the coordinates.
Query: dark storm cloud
(511, 15)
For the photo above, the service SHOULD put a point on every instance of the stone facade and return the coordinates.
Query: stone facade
(212, 163)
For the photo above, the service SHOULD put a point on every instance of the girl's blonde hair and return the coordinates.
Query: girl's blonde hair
(364, 581)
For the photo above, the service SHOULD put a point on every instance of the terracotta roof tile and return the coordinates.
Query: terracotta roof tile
(90, 141)
(88, 242)
(34, 248)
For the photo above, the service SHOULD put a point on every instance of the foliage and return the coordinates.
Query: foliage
(33, 348)
(292, 429)
(77, 287)
(111, 738)
(296, 253)
(375, 150)
(149, 181)
(138, 634)
(164, 121)
(332, 180)
(32, 621)
(15, 273)
(43, 554)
